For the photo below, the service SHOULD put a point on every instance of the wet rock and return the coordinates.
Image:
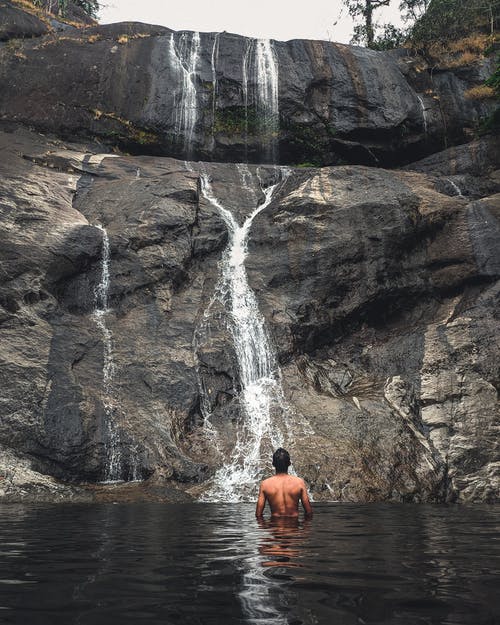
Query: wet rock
(128, 85)
(379, 288)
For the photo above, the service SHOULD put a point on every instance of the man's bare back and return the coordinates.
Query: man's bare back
(283, 492)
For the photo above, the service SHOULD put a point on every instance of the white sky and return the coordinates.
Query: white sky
(273, 19)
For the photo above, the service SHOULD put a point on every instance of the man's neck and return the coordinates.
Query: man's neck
(282, 472)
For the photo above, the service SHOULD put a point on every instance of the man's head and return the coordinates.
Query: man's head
(281, 460)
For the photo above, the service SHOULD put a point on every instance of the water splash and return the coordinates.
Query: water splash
(261, 395)
(113, 467)
(184, 59)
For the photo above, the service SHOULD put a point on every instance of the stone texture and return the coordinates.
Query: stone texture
(18, 24)
(380, 289)
(337, 103)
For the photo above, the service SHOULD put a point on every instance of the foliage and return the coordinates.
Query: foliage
(446, 20)
(492, 123)
(90, 7)
(390, 38)
(494, 80)
(412, 10)
(364, 9)
(427, 22)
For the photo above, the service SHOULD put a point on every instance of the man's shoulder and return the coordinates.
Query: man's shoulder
(273, 479)
(268, 480)
(298, 480)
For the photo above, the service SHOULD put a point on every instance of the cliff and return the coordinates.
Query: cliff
(223, 97)
(376, 289)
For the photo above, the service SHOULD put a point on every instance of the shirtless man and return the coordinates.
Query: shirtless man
(283, 491)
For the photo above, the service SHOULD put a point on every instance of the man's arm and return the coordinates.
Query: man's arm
(261, 502)
(304, 497)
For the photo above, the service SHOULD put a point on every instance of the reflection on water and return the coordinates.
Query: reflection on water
(283, 541)
(213, 564)
(280, 544)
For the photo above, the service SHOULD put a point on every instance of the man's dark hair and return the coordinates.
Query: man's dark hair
(281, 460)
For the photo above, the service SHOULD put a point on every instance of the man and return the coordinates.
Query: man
(283, 491)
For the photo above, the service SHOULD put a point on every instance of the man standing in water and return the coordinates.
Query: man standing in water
(283, 491)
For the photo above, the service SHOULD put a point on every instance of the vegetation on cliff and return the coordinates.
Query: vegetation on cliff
(427, 21)
(72, 10)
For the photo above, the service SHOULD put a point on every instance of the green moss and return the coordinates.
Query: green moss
(491, 124)
(234, 120)
(130, 131)
(307, 142)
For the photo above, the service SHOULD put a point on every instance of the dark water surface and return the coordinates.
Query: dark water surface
(202, 564)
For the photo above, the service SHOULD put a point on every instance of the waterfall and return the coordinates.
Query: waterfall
(267, 101)
(261, 394)
(455, 187)
(215, 55)
(245, 73)
(265, 96)
(184, 59)
(424, 113)
(101, 310)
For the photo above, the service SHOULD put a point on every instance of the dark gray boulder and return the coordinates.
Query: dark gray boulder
(18, 24)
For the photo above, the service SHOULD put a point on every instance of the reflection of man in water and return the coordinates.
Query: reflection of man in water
(283, 491)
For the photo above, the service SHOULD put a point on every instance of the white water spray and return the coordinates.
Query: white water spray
(261, 394)
(267, 101)
(215, 56)
(113, 460)
(184, 59)
(245, 74)
(265, 77)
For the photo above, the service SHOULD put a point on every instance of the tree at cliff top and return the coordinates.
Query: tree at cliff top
(60, 7)
(428, 22)
(364, 9)
(446, 20)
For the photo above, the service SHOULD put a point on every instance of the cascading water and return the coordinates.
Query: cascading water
(184, 59)
(245, 73)
(215, 55)
(101, 310)
(455, 187)
(267, 101)
(265, 77)
(424, 113)
(261, 395)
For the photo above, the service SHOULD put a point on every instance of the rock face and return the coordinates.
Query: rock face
(378, 288)
(380, 291)
(223, 97)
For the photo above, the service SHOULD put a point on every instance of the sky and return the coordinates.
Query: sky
(269, 19)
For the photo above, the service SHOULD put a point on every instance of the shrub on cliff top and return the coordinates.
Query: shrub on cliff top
(62, 7)
(446, 20)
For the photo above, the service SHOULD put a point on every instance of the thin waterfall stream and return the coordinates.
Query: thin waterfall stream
(101, 310)
(261, 395)
(184, 57)
(424, 113)
(260, 64)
